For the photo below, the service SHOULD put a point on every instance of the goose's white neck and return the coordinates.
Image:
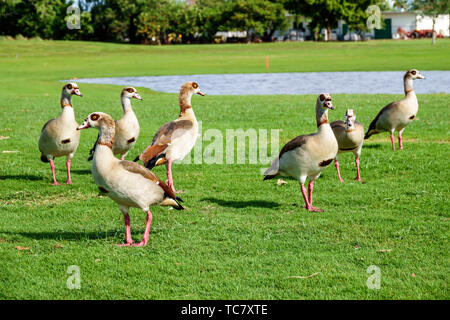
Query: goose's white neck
(103, 153)
(325, 128)
(185, 100)
(126, 104)
(408, 86)
(188, 113)
(321, 116)
(67, 114)
(102, 163)
(106, 136)
(103, 156)
(66, 101)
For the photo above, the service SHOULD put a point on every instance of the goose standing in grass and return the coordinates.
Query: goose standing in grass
(308, 155)
(175, 139)
(127, 128)
(59, 137)
(350, 138)
(127, 183)
(397, 115)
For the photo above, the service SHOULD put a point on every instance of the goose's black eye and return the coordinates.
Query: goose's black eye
(69, 86)
(130, 90)
(413, 72)
(194, 85)
(95, 117)
(322, 97)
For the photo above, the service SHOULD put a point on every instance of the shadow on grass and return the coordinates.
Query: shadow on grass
(64, 235)
(22, 177)
(372, 146)
(81, 171)
(243, 204)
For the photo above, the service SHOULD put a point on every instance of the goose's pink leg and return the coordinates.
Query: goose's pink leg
(69, 181)
(305, 197)
(52, 166)
(169, 176)
(310, 191)
(123, 156)
(358, 176)
(400, 140)
(146, 232)
(336, 164)
(129, 241)
(127, 226)
(393, 141)
(308, 205)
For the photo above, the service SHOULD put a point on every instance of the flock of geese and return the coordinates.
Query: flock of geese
(130, 184)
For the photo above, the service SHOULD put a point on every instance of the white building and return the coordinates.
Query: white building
(409, 21)
(392, 21)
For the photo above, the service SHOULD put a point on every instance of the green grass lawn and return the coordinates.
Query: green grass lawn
(240, 237)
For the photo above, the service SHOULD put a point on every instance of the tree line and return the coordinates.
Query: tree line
(175, 21)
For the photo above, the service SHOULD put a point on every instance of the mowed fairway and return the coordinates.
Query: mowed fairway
(240, 237)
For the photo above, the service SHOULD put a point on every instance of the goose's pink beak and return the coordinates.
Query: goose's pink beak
(84, 125)
(200, 93)
(328, 104)
(77, 92)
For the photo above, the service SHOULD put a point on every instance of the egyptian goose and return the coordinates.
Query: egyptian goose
(127, 128)
(127, 183)
(308, 155)
(350, 138)
(59, 136)
(397, 115)
(175, 139)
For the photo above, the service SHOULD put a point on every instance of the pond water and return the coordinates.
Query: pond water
(352, 82)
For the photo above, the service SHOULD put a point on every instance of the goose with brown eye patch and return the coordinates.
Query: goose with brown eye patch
(350, 138)
(59, 136)
(306, 156)
(127, 128)
(174, 140)
(398, 114)
(127, 183)
(72, 89)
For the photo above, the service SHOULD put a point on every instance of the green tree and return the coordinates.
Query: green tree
(262, 17)
(211, 18)
(114, 20)
(357, 16)
(8, 17)
(432, 8)
(327, 13)
(32, 18)
(401, 4)
(186, 20)
(152, 23)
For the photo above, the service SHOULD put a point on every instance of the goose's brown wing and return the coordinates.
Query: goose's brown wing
(165, 135)
(137, 168)
(373, 124)
(297, 142)
(46, 124)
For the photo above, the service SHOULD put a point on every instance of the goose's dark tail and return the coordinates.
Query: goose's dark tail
(174, 203)
(152, 162)
(44, 158)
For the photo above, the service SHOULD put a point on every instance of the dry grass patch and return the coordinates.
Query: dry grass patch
(30, 199)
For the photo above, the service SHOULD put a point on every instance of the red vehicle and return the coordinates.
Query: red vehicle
(416, 34)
